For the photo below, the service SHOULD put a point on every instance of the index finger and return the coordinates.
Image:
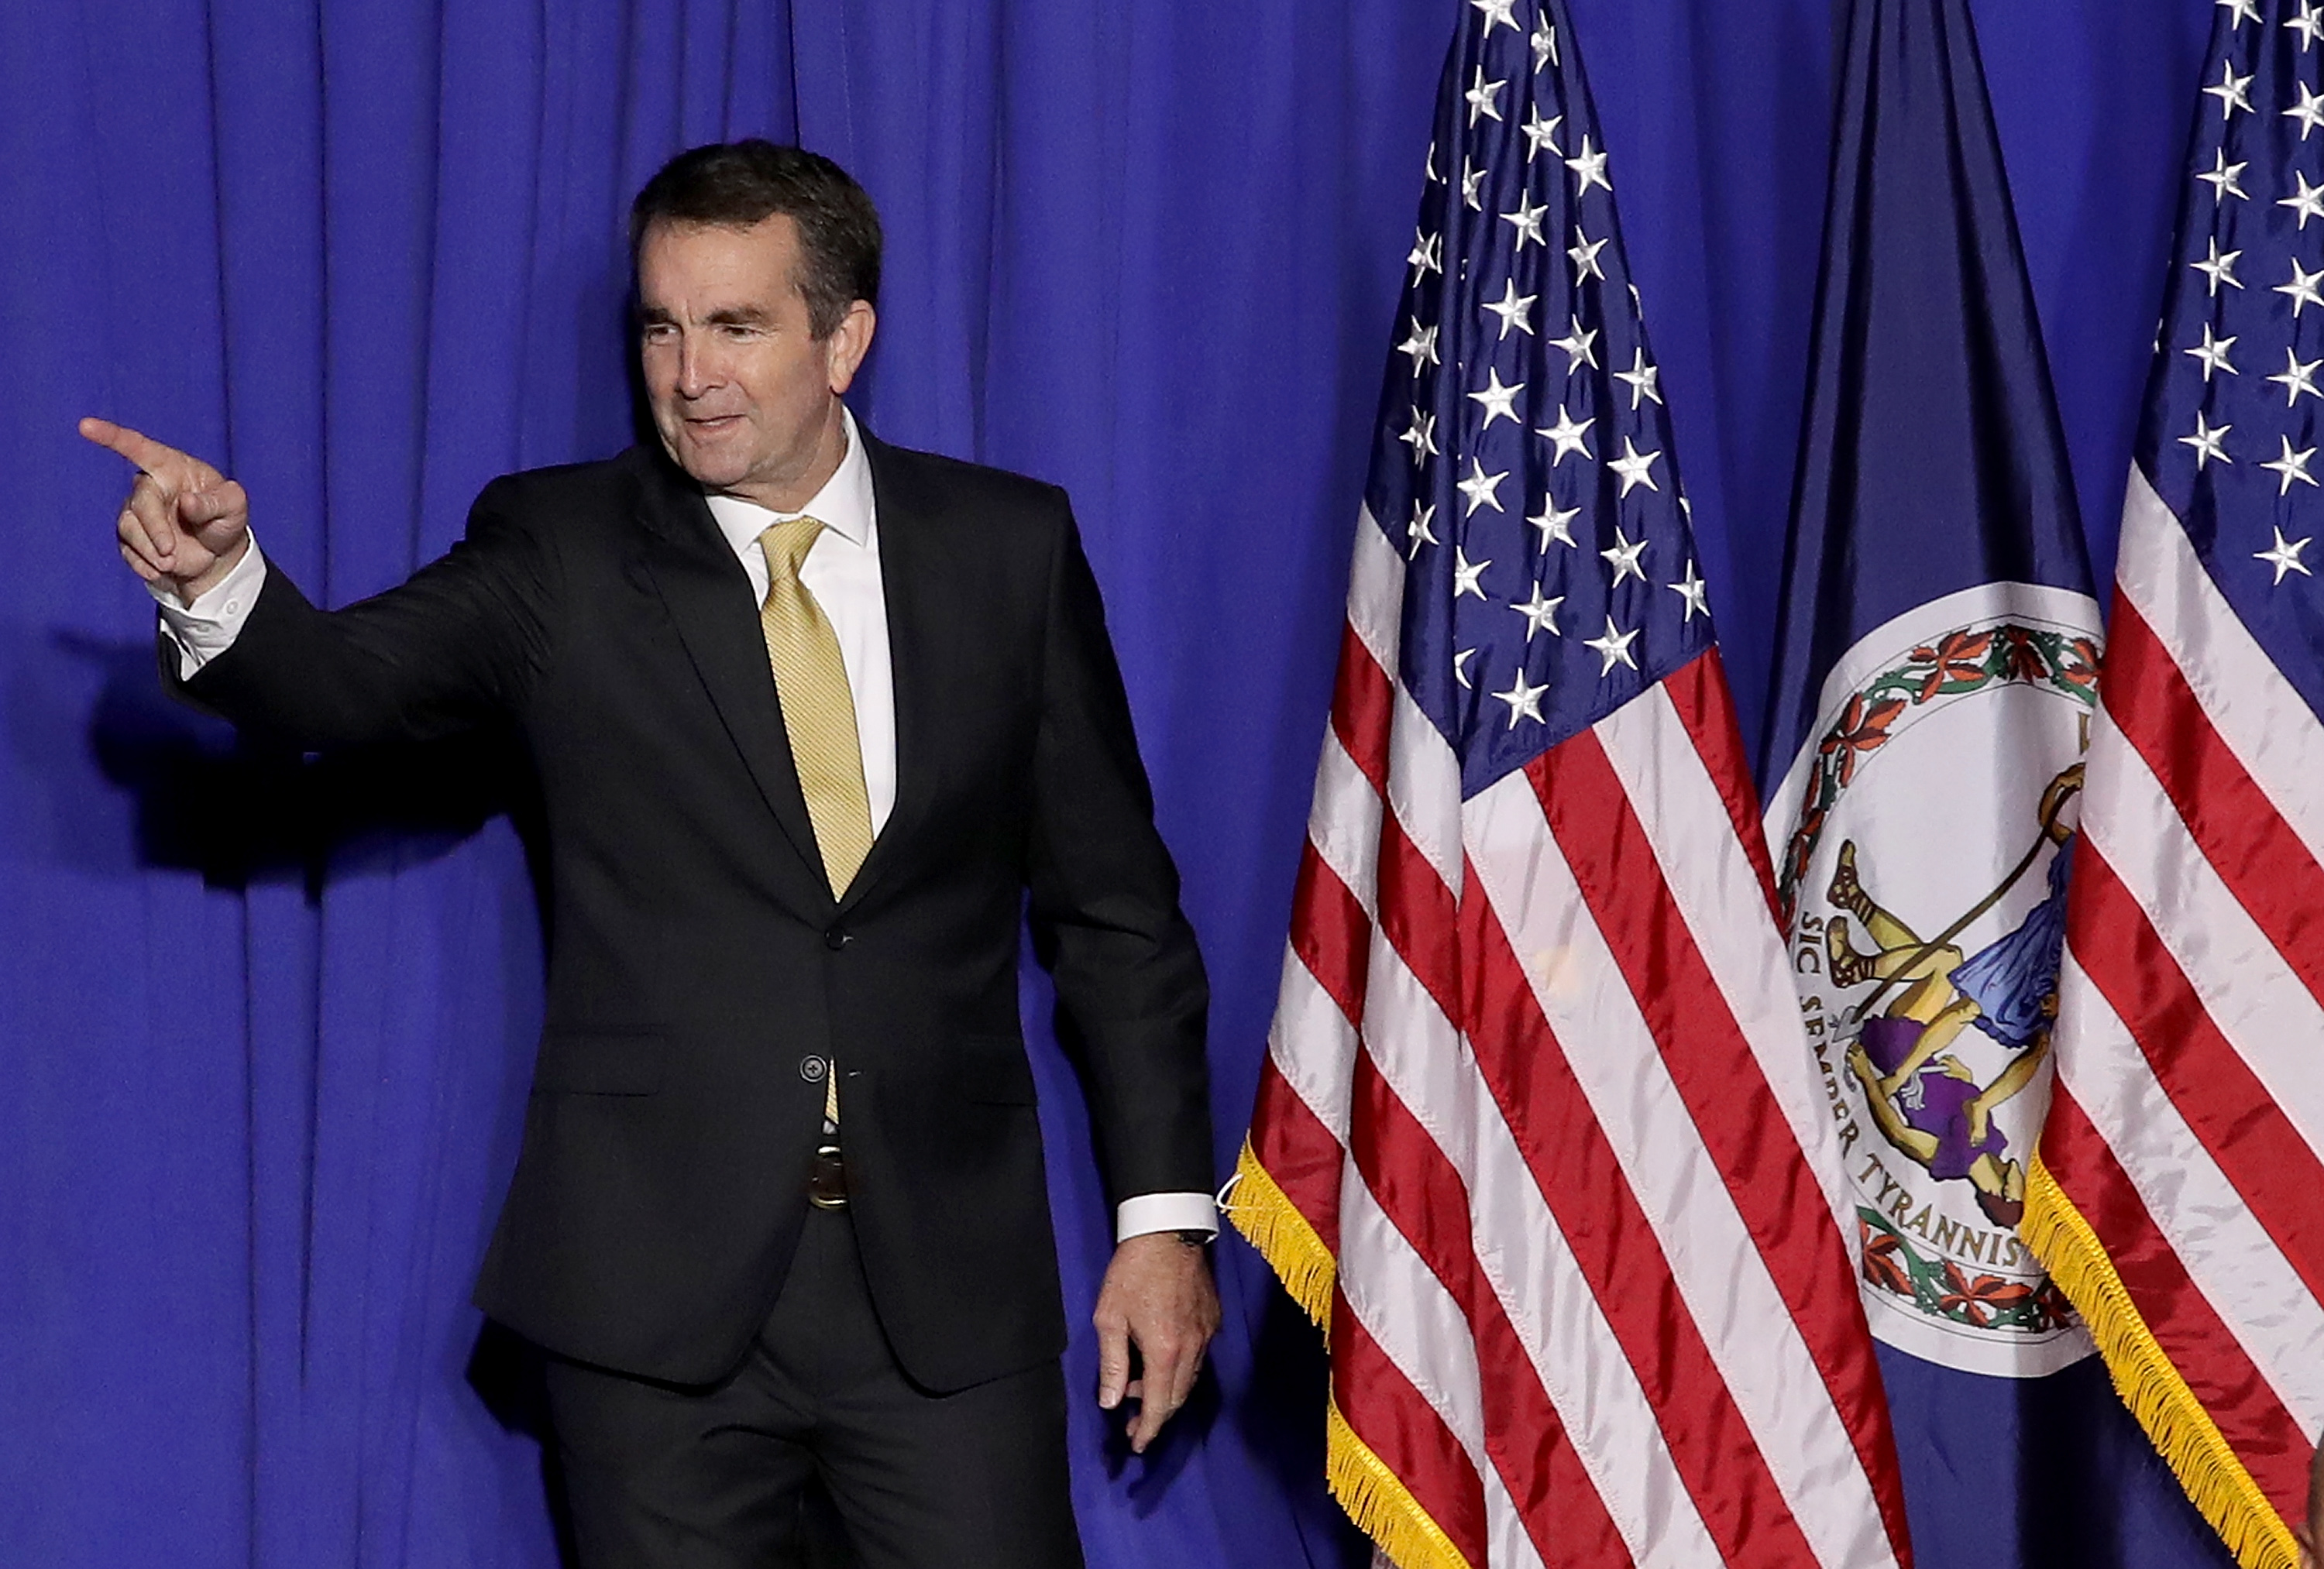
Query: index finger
(156, 458)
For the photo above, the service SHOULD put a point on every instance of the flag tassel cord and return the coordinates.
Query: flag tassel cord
(2182, 1431)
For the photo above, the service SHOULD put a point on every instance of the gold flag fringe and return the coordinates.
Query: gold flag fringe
(2183, 1433)
(1382, 1506)
(1274, 1226)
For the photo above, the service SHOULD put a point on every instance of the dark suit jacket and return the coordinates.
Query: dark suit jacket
(697, 957)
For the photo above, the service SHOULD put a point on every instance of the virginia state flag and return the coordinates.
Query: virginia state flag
(1937, 667)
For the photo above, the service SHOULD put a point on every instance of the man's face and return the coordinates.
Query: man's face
(745, 397)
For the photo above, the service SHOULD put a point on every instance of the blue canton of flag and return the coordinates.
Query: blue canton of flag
(2230, 431)
(1523, 461)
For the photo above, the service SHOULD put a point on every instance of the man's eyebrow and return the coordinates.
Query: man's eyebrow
(737, 315)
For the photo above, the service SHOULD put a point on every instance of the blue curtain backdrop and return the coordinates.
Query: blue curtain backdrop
(264, 1029)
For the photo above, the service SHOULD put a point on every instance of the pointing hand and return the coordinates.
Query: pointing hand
(184, 524)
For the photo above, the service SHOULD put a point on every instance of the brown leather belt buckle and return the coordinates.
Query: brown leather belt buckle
(826, 1180)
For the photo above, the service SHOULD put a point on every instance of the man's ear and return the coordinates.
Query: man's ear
(849, 341)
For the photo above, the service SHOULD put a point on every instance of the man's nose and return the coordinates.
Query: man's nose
(697, 368)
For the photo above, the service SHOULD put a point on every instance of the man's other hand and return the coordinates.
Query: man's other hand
(185, 524)
(1157, 1294)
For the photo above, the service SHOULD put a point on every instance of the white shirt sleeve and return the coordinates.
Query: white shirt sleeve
(1153, 1212)
(206, 629)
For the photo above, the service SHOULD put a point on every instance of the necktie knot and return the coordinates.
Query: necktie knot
(786, 545)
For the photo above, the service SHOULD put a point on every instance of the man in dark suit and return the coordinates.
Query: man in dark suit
(817, 720)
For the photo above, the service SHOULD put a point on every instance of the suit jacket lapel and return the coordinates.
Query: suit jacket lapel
(708, 598)
(911, 581)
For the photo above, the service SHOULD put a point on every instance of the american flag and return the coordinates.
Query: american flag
(2180, 1197)
(1539, 1140)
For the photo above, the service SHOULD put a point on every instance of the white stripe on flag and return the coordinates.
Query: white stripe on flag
(1314, 1046)
(1345, 822)
(1376, 593)
(1524, 1259)
(2258, 714)
(1745, 1323)
(1710, 880)
(2228, 1254)
(2262, 1008)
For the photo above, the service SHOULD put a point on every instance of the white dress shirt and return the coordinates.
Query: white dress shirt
(842, 571)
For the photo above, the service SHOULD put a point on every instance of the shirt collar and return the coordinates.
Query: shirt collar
(843, 505)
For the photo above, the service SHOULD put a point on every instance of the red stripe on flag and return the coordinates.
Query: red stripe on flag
(1398, 1425)
(2182, 1319)
(1417, 917)
(1616, 1247)
(2247, 840)
(1331, 933)
(2206, 1078)
(1698, 690)
(1363, 705)
(1420, 1192)
(1298, 1151)
(1708, 1060)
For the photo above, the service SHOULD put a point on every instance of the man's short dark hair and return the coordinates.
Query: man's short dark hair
(738, 184)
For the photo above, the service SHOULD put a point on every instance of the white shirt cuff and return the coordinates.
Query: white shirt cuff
(1153, 1212)
(206, 629)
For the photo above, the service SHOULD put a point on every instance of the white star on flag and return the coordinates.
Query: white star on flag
(1468, 576)
(1484, 99)
(1544, 40)
(1635, 467)
(1554, 523)
(1613, 648)
(2292, 465)
(2284, 557)
(1571, 434)
(1589, 168)
(2207, 442)
(1583, 253)
(1577, 346)
(1480, 488)
(1417, 532)
(1421, 436)
(2220, 268)
(1641, 377)
(2297, 377)
(2303, 288)
(1540, 613)
(2222, 177)
(1527, 222)
(1515, 309)
(2211, 353)
(2233, 92)
(1496, 400)
(2309, 112)
(1694, 591)
(1524, 702)
(2308, 23)
(1421, 345)
(2308, 201)
(1623, 557)
(1540, 133)
(1497, 15)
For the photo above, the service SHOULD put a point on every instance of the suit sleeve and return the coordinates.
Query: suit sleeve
(1105, 910)
(458, 646)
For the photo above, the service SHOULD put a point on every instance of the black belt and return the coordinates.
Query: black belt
(827, 1178)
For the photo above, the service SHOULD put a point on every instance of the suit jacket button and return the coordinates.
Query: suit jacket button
(813, 1068)
(835, 937)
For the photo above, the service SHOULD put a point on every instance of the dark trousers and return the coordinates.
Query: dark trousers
(660, 1477)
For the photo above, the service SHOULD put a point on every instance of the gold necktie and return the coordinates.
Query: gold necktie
(818, 710)
(819, 713)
